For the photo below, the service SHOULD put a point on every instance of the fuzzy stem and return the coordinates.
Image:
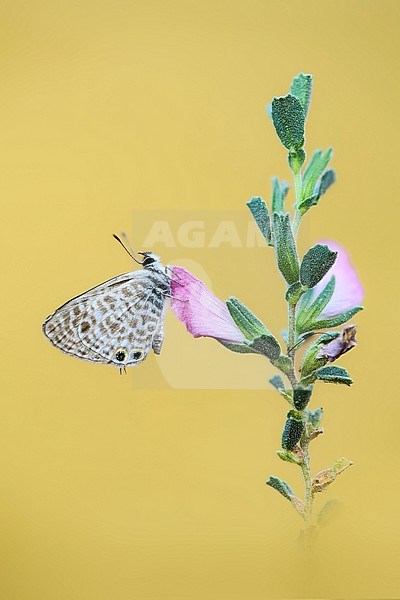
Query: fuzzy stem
(298, 190)
(305, 441)
(296, 222)
(309, 496)
(305, 469)
(291, 349)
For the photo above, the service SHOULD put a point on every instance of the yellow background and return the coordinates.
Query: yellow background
(106, 106)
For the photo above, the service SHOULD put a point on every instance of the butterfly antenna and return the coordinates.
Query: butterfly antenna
(126, 240)
(127, 248)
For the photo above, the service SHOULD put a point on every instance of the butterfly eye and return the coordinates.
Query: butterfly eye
(120, 355)
(137, 354)
(148, 260)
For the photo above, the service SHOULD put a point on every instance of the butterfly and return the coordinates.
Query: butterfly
(117, 322)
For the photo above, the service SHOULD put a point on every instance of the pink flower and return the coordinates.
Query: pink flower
(348, 291)
(203, 313)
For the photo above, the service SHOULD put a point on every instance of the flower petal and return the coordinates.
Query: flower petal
(200, 310)
(348, 289)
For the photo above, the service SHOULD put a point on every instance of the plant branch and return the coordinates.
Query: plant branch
(298, 190)
(291, 342)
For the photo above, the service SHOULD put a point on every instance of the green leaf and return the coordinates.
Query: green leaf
(294, 292)
(288, 118)
(314, 170)
(292, 431)
(307, 314)
(260, 339)
(296, 159)
(277, 382)
(332, 374)
(315, 416)
(306, 204)
(305, 299)
(302, 396)
(338, 320)
(266, 345)
(283, 363)
(288, 456)
(301, 88)
(281, 486)
(250, 325)
(327, 179)
(279, 193)
(310, 361)
(240, 348)
(315, 264)
(285, 247)
(259, 210)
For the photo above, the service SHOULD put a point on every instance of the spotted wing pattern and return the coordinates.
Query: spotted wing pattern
(116, 323)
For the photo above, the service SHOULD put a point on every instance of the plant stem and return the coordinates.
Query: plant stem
(298, 190)
(305, 441)
(291, 342)
(305, 469)
(296, 222)
(309, 496)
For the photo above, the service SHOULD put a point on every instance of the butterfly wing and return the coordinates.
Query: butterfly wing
(114, 323)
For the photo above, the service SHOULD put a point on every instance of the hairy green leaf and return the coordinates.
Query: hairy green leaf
(266, 345)
(283, 363)
(331, 374)
(294, 292)
(305, 299)
(308, 313)
(240, 348)
(301, 88)
(292, 431)
(314, 171)
(327, 179)
(279, 193)
(296, 159)
(315, 264)
(250, 325)
(302, 396)
(288, 456)
(285, 247)
(315, 416)
(259, 210)
(336, 321)
(281, 486)
(311, 362)
(277, 382)
(288, 118)
(306, 204)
